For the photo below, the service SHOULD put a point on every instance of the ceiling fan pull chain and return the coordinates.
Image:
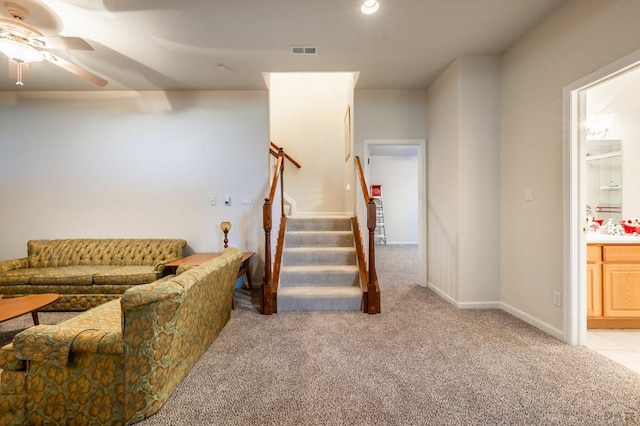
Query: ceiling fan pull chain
(19, 77)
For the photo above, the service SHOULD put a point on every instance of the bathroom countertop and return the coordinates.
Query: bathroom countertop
(612, 239)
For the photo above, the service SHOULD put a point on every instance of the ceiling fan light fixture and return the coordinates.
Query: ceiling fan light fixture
(20, 52)
(370, 7)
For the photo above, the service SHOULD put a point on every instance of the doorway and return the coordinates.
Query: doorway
(416, 150)
(580, 127)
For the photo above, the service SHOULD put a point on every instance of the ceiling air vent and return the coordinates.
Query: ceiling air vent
(303, 50)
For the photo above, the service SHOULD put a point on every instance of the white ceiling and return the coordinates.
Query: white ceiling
(178, 45)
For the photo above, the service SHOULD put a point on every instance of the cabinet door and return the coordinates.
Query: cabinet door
(594, 290)
(621, 290)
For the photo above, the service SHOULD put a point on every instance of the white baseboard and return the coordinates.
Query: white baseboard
(479, 305)
(558, 334)
(442, 294)
(465, 305)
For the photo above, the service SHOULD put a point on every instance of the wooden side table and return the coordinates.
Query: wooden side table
(200, 258)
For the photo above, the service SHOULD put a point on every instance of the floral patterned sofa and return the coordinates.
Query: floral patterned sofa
(119, 362)
(87, 272)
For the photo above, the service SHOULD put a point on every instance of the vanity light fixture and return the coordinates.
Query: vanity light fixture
(370, 7)
(597, 125)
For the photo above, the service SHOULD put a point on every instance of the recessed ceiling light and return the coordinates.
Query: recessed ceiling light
(370, 7)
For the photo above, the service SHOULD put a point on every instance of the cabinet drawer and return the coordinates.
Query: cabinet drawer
(621, 253)
(594, 253)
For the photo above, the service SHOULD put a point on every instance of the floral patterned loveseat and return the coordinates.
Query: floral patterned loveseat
(119, 362)
(87, 272)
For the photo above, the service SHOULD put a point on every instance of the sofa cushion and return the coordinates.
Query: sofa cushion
(69, 275)
(132, 275)
(16, 276)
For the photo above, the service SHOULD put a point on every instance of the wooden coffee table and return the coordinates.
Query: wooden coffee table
(13, 307)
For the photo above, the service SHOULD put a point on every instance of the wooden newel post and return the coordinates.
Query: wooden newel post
(267, 285)
(372, 285)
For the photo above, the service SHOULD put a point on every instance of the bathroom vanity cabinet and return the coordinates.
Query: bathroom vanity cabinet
(613, 285)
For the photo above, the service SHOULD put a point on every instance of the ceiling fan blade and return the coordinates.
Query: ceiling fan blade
(75, 69)
(59, 42)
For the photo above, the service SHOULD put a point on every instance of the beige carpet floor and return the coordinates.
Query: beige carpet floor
(420, 362)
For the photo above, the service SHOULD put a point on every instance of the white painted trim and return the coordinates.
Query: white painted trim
(422, 193)
(479, 305)
(558, 334)
(464, 305)
(574, 243)
(442, 294)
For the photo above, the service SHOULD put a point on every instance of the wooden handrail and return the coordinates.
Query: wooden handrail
(372, 300)
(269, 305)
(274, 181)
(363, 183)
(274, 152)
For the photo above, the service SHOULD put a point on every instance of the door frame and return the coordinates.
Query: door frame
(422, 193)
(574, 197)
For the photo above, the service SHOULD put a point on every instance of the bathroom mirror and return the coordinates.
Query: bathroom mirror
(604, 179)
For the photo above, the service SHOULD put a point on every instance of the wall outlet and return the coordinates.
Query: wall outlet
(213, 201)
(557, 298)
(246, 201)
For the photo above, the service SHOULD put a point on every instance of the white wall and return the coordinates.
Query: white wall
(576, 40)
(136, 165)
(398, 175)
(463, 180)
(479, 179)
(442, 169)
(307, 113)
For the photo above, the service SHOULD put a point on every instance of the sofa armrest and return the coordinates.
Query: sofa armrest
(146, 294)
(159, 267)
(11, 264)
(50, 342)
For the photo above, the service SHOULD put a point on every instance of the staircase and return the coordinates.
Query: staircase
(319, 271)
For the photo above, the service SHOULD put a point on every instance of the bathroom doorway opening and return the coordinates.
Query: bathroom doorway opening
(577, 122)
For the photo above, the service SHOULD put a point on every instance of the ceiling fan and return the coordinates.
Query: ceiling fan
(23, 44)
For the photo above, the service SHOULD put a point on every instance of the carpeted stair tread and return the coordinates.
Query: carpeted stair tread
(321, 223)
(319, 256)
(319, 275)
(319, 239)
(343, 298)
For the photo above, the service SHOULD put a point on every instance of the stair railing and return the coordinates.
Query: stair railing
(371, 298)
(272, 268)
